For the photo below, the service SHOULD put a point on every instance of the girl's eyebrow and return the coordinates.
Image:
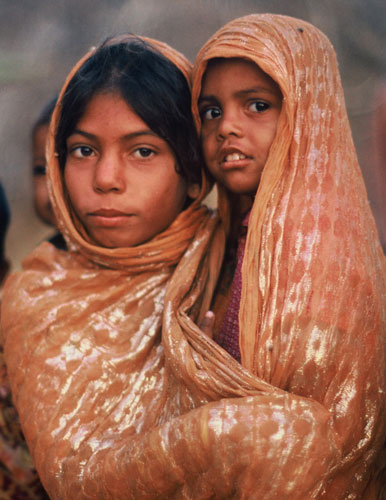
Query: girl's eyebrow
(252, 90)
(238, 93)
(207, 98)
(132, 135)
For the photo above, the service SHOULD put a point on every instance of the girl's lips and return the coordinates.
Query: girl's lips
(233, 158)
(231, 162)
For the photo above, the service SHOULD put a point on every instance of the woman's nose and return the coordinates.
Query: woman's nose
(108, 174)
(229, 124)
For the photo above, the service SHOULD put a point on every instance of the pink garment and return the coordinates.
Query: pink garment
(228, 336)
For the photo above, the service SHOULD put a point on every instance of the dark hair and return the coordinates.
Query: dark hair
(45, 114)
(151, 84)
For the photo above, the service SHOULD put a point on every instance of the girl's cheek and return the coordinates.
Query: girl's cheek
(206, 147)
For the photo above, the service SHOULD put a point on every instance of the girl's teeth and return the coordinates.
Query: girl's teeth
(234, 157)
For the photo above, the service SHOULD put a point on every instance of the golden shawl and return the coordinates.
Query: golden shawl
(111, 412)
(82, 333)
(376, 162)
(312, 314)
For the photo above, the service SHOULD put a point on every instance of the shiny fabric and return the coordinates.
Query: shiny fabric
(82, 336)
(312, 314)
(376, 160)
(120, 402)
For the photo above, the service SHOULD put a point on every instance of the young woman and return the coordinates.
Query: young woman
(82, 329)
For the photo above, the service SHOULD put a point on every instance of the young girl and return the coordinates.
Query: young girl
(39, 134)
(306, 308)
(42, 203)
(82, 329)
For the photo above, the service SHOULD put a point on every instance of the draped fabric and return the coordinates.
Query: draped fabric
(82, 333)
(376, 160)
(118, 400)
(312, 314)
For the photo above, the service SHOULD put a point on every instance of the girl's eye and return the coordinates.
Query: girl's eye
(39, 170)
(82, 151)
(143, 153)
(210, 113)
(258, 106)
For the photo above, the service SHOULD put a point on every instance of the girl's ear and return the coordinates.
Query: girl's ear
(194, 191)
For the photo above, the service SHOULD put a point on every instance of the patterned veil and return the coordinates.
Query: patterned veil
(121, 395)
(312, 315)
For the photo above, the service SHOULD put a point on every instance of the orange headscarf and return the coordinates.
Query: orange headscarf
(376, 161)
(82, 329)
(110, 410)
(132, 260)
(312, 315)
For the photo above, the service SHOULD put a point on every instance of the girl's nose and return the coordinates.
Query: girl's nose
(229, 124)
(108, 175)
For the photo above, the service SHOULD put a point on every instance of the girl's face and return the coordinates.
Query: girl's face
(239, 107)
(120, 175)
(41, 198)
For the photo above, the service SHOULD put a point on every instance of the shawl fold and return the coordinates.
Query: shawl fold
(119, 400)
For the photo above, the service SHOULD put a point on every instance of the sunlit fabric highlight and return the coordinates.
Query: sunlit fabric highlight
(120, 401)
(312, 315)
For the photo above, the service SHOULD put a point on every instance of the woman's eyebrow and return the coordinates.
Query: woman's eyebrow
(140, 133)
(78, 131)
(131, 135)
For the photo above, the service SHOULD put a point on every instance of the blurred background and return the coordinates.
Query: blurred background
(42, 39)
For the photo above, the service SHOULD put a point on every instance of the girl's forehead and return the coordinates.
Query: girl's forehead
(218, 64)
(235, 70)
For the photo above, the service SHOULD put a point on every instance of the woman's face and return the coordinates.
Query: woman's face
(121, 176)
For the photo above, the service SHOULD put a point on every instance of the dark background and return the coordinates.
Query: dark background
(40, 40)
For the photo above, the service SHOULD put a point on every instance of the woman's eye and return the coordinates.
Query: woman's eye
(258, 106)
(210, 113)
(143, 153)
(82, 151)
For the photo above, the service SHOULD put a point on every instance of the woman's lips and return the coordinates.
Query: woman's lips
(108, 212)
(109, 217)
